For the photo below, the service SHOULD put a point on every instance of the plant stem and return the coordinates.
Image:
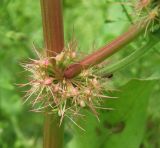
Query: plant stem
(106, 51)
(52, 26)
(54, 43)
(53, 134)
(136, 55)
(153, 40)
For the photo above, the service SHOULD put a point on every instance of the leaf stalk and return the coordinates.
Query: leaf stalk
(106, 51)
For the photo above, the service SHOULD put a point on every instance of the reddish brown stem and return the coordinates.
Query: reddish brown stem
(52, 26)
(54, 43)
(106, 51)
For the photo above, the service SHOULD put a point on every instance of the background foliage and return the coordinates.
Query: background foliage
(93, 23)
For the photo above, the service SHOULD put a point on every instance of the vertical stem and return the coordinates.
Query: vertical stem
(53, 134)
(52, 26)
(54, 43)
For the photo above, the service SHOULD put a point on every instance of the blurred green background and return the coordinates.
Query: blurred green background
(93, 23)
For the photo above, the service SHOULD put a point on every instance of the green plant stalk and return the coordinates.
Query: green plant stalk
(54, 44)
(53, 134)
(136, 55)
(106, 51)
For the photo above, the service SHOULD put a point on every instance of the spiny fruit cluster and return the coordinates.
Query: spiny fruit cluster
(65, 97)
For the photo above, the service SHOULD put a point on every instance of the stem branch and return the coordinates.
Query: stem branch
(106, 51)
(53, 134)
(136, 55)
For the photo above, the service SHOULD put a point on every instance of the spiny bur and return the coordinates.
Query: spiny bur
(64, 97)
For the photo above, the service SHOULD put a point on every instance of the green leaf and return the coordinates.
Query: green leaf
(123, 127)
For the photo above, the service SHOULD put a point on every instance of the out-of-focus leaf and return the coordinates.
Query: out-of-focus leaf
(123, 127)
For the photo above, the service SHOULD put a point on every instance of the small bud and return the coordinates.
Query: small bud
(59, 57)
(48, 81)
(82, 103)
(73, 54)
(89, 98)
(55, 88)
(64, 81)
(87, 91)
(45, 62)
(66, 94)
(74, 92)
(85, 73)
(59, 113)
(95, 82)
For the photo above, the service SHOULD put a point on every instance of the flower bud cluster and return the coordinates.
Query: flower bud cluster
(49, 89)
